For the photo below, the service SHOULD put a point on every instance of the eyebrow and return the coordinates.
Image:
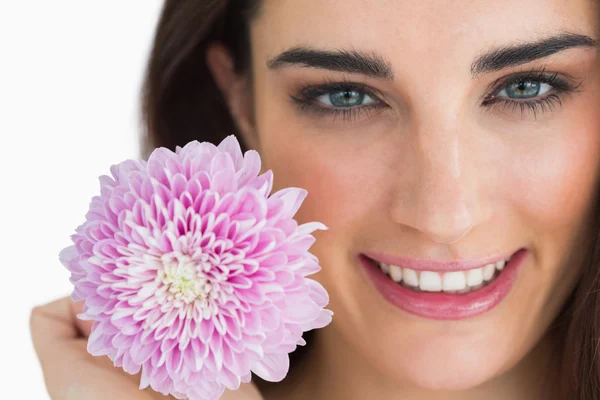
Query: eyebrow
(511, 56)
(375, 66)
(372, 65)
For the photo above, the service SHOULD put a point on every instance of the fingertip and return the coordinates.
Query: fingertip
(77, 307)
(50, 322)
(83, 326)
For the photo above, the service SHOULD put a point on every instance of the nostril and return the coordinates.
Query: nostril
(443, 218)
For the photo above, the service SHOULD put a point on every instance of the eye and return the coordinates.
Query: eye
(524, 90)
(532, 92)
(346, 99)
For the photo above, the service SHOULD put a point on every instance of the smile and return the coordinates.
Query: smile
(446, 291)
(447, 282)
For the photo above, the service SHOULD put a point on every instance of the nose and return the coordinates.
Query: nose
(440, 198)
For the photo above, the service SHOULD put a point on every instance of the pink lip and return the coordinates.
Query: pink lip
(443, 306)
(436, 266)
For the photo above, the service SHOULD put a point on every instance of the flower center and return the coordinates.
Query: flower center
(185, 279)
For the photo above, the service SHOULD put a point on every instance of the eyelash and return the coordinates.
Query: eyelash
(307, 96)
(547, 102)
(306, 99)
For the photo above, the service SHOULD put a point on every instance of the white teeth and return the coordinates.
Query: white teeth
(430, 281)
(454, 281)
(488, 272)
(475, 277)
(410, 277)
(396, 273)
(384, 267)
(449, 282)
(500, 265)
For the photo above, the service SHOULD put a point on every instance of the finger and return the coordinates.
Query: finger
(63, 352)
(56, 333)
(55, 340)
(51, 323)
(68, 367)
(57, 336)
(84, 327)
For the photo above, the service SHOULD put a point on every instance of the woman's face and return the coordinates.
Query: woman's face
(440, 136)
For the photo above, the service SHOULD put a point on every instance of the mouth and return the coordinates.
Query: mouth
(444, 291)
(447, 282)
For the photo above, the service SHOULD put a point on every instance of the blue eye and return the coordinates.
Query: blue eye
(345, 99)
(532, 92)
(524, 89)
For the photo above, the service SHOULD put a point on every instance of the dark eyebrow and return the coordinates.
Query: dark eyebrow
(372, 65)
(511, 56)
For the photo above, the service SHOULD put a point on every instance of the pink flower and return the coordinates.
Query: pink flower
(195, 274)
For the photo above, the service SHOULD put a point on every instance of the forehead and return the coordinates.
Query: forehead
(405, 30)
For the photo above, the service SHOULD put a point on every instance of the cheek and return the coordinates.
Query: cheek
(553, 190)
(338, 178)
(330, 163)
(555, 182)
(344, 192)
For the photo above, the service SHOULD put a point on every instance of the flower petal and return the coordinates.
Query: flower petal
(273, 367)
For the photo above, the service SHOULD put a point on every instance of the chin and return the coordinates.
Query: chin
(448, 364)
(451, 372)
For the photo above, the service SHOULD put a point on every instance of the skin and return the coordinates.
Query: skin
(433, 174)
(71, 373)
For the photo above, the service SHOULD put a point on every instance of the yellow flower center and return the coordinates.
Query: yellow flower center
(185, 279)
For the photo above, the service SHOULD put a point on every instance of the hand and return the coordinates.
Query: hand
(70, 372)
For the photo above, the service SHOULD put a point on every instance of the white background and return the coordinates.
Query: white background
(70, 74)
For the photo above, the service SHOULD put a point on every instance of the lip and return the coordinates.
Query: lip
(437, 266)
(446, 306)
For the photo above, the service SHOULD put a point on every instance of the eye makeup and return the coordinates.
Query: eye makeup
(307, 102)
(558, 85)
(548, 89)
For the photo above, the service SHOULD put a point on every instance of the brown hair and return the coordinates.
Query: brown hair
(181, 103)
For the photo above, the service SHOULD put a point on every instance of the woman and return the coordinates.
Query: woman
(450, 147)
